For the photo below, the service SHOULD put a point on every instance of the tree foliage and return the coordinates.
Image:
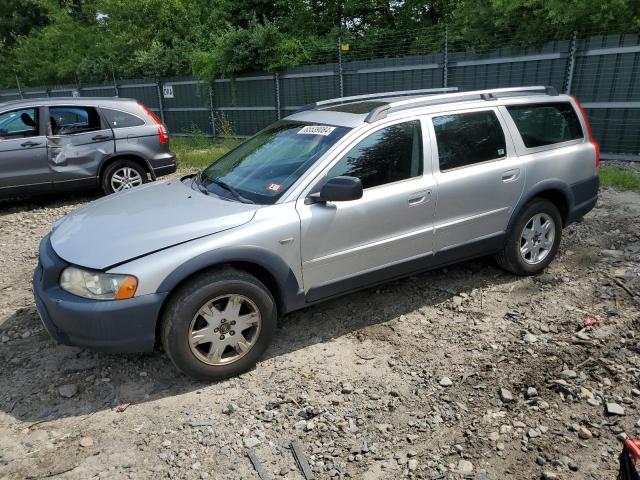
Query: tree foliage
(72, 41)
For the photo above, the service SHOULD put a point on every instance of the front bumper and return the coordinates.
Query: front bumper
(117, 326)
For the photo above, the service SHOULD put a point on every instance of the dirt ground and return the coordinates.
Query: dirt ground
(464, 372)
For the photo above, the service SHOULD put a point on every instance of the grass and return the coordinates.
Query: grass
(619, 178)
(197, 152)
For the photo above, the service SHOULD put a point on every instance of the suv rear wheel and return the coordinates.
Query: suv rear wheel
(534, 239)
(218, 324)
(122, 175)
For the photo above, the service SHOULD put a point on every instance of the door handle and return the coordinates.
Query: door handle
(510, 175)
(30, 144)
(420, 197)
(101, 138)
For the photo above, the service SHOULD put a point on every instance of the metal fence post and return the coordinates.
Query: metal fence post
(571, 65)
(160, 102)
(212, 109)
(276, 79)
(445, 60)
(340, 71)
(19, 89)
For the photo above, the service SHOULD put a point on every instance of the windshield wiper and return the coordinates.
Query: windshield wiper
(229, 188)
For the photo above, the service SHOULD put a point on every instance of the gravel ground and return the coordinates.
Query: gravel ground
(464, 372)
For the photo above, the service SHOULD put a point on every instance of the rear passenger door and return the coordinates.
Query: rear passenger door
(479, 176)
(80, 139)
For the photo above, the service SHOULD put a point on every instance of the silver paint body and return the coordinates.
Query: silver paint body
(151, 231)
(62, 162)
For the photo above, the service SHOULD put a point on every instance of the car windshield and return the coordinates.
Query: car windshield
(261, 169)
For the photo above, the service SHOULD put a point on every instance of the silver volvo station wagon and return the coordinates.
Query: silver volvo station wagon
(342, 195)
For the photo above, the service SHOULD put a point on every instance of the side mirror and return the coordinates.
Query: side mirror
(338, 189)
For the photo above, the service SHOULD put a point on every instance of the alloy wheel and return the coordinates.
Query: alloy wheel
(536, 240)
(125, 178)
(224, 329)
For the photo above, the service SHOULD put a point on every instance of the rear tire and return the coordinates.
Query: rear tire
(122, 175)
(534, 239)
(218, 324)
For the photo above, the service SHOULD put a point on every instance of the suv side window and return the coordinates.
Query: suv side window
(70, 120)
(19, 123)
(546, 123)
(391, 154)
(118, 119)
(467, 138)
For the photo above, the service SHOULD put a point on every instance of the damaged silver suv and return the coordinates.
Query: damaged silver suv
(342, 195)
(61, 144)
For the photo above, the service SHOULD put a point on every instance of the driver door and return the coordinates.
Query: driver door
(23, 152)
(386, 233)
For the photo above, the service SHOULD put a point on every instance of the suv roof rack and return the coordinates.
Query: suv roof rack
(487, 95)
(373, 96)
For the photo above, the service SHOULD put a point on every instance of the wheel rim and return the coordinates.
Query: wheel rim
(224, 329)
(125, 178)
(536, 240)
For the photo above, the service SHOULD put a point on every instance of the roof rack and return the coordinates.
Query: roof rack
(487, 95)
(373, 96)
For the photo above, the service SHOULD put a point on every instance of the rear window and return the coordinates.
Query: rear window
(546, 123)
(118, 119)
(468, 138)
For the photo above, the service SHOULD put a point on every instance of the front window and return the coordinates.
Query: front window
(261, 169)
(19, 123)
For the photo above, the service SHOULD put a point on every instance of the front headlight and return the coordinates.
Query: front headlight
(97, 285)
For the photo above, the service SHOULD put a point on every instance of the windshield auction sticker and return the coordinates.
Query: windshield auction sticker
(274, 187)
(316, 130)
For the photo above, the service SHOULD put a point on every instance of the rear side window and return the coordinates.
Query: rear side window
(546, 124)
(118, 119)
(71, 120)
(467, 138)
(389, 155)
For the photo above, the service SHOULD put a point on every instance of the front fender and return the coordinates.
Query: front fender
(289, 292)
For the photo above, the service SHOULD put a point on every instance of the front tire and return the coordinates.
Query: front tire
(534, 239)
(218, 324)
(122, 175)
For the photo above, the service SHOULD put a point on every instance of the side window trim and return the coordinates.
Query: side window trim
(352, 143)
(506, 130)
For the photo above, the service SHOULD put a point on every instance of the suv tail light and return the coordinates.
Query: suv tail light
(163, 135)
(589, 132)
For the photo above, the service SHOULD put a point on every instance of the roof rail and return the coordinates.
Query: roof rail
(372, 96)
(487, 95)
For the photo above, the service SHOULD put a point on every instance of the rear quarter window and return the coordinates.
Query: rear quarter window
(546, 123)
(118, 119)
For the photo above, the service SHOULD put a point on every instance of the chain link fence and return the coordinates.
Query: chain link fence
(602, 71)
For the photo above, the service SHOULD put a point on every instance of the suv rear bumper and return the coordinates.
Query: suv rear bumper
(164, 164)
(117, 326)
(585, 196)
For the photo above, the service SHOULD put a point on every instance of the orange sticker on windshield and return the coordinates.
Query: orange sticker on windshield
(274, 187)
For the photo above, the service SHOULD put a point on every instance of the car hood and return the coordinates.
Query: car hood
(142, 220)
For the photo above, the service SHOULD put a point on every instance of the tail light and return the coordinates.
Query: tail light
(163, 135)
(592, 140)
